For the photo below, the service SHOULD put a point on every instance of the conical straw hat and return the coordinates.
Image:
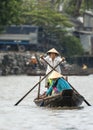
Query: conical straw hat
(53, 50)
(55, 75)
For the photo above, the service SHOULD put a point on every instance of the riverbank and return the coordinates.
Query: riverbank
(16, 63)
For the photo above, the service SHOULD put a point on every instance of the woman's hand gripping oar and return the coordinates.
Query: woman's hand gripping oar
(37, 84)
(71, 86)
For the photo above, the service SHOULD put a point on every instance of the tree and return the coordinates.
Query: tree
(71, 46)
(76, 7)
(10, 11)
(42, 14)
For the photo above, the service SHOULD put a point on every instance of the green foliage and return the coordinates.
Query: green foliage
(71, 46)
(76, 7)
(9, 12)
(43, 14)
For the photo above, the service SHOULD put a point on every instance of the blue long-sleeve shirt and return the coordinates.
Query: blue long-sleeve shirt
(61, 85)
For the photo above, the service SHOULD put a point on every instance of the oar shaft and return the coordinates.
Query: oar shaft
(87, 102)
(79, 94)
(48, 64)
(39, 88)
(38, 61)
(26, 94)
(36, 84)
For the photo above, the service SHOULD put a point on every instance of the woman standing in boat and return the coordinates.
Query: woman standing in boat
(53, 58)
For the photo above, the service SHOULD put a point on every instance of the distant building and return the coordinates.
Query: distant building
(88, 20)
(21, 37)
(84, 30)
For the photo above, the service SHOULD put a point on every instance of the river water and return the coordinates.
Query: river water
(27, 116)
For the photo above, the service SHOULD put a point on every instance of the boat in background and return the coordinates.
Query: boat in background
(67, 71)
(75, 69)
(35, 72)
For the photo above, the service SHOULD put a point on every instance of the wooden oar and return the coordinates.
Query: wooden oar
(71, 86)
(80, 94)
(39, 63)
(36, 84)
(39, 88)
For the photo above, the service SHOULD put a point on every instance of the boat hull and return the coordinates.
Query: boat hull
(74, 100)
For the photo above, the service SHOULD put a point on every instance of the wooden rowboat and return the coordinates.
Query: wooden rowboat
(68, 98)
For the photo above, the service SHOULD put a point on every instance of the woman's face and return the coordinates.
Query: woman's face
(53, 55)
